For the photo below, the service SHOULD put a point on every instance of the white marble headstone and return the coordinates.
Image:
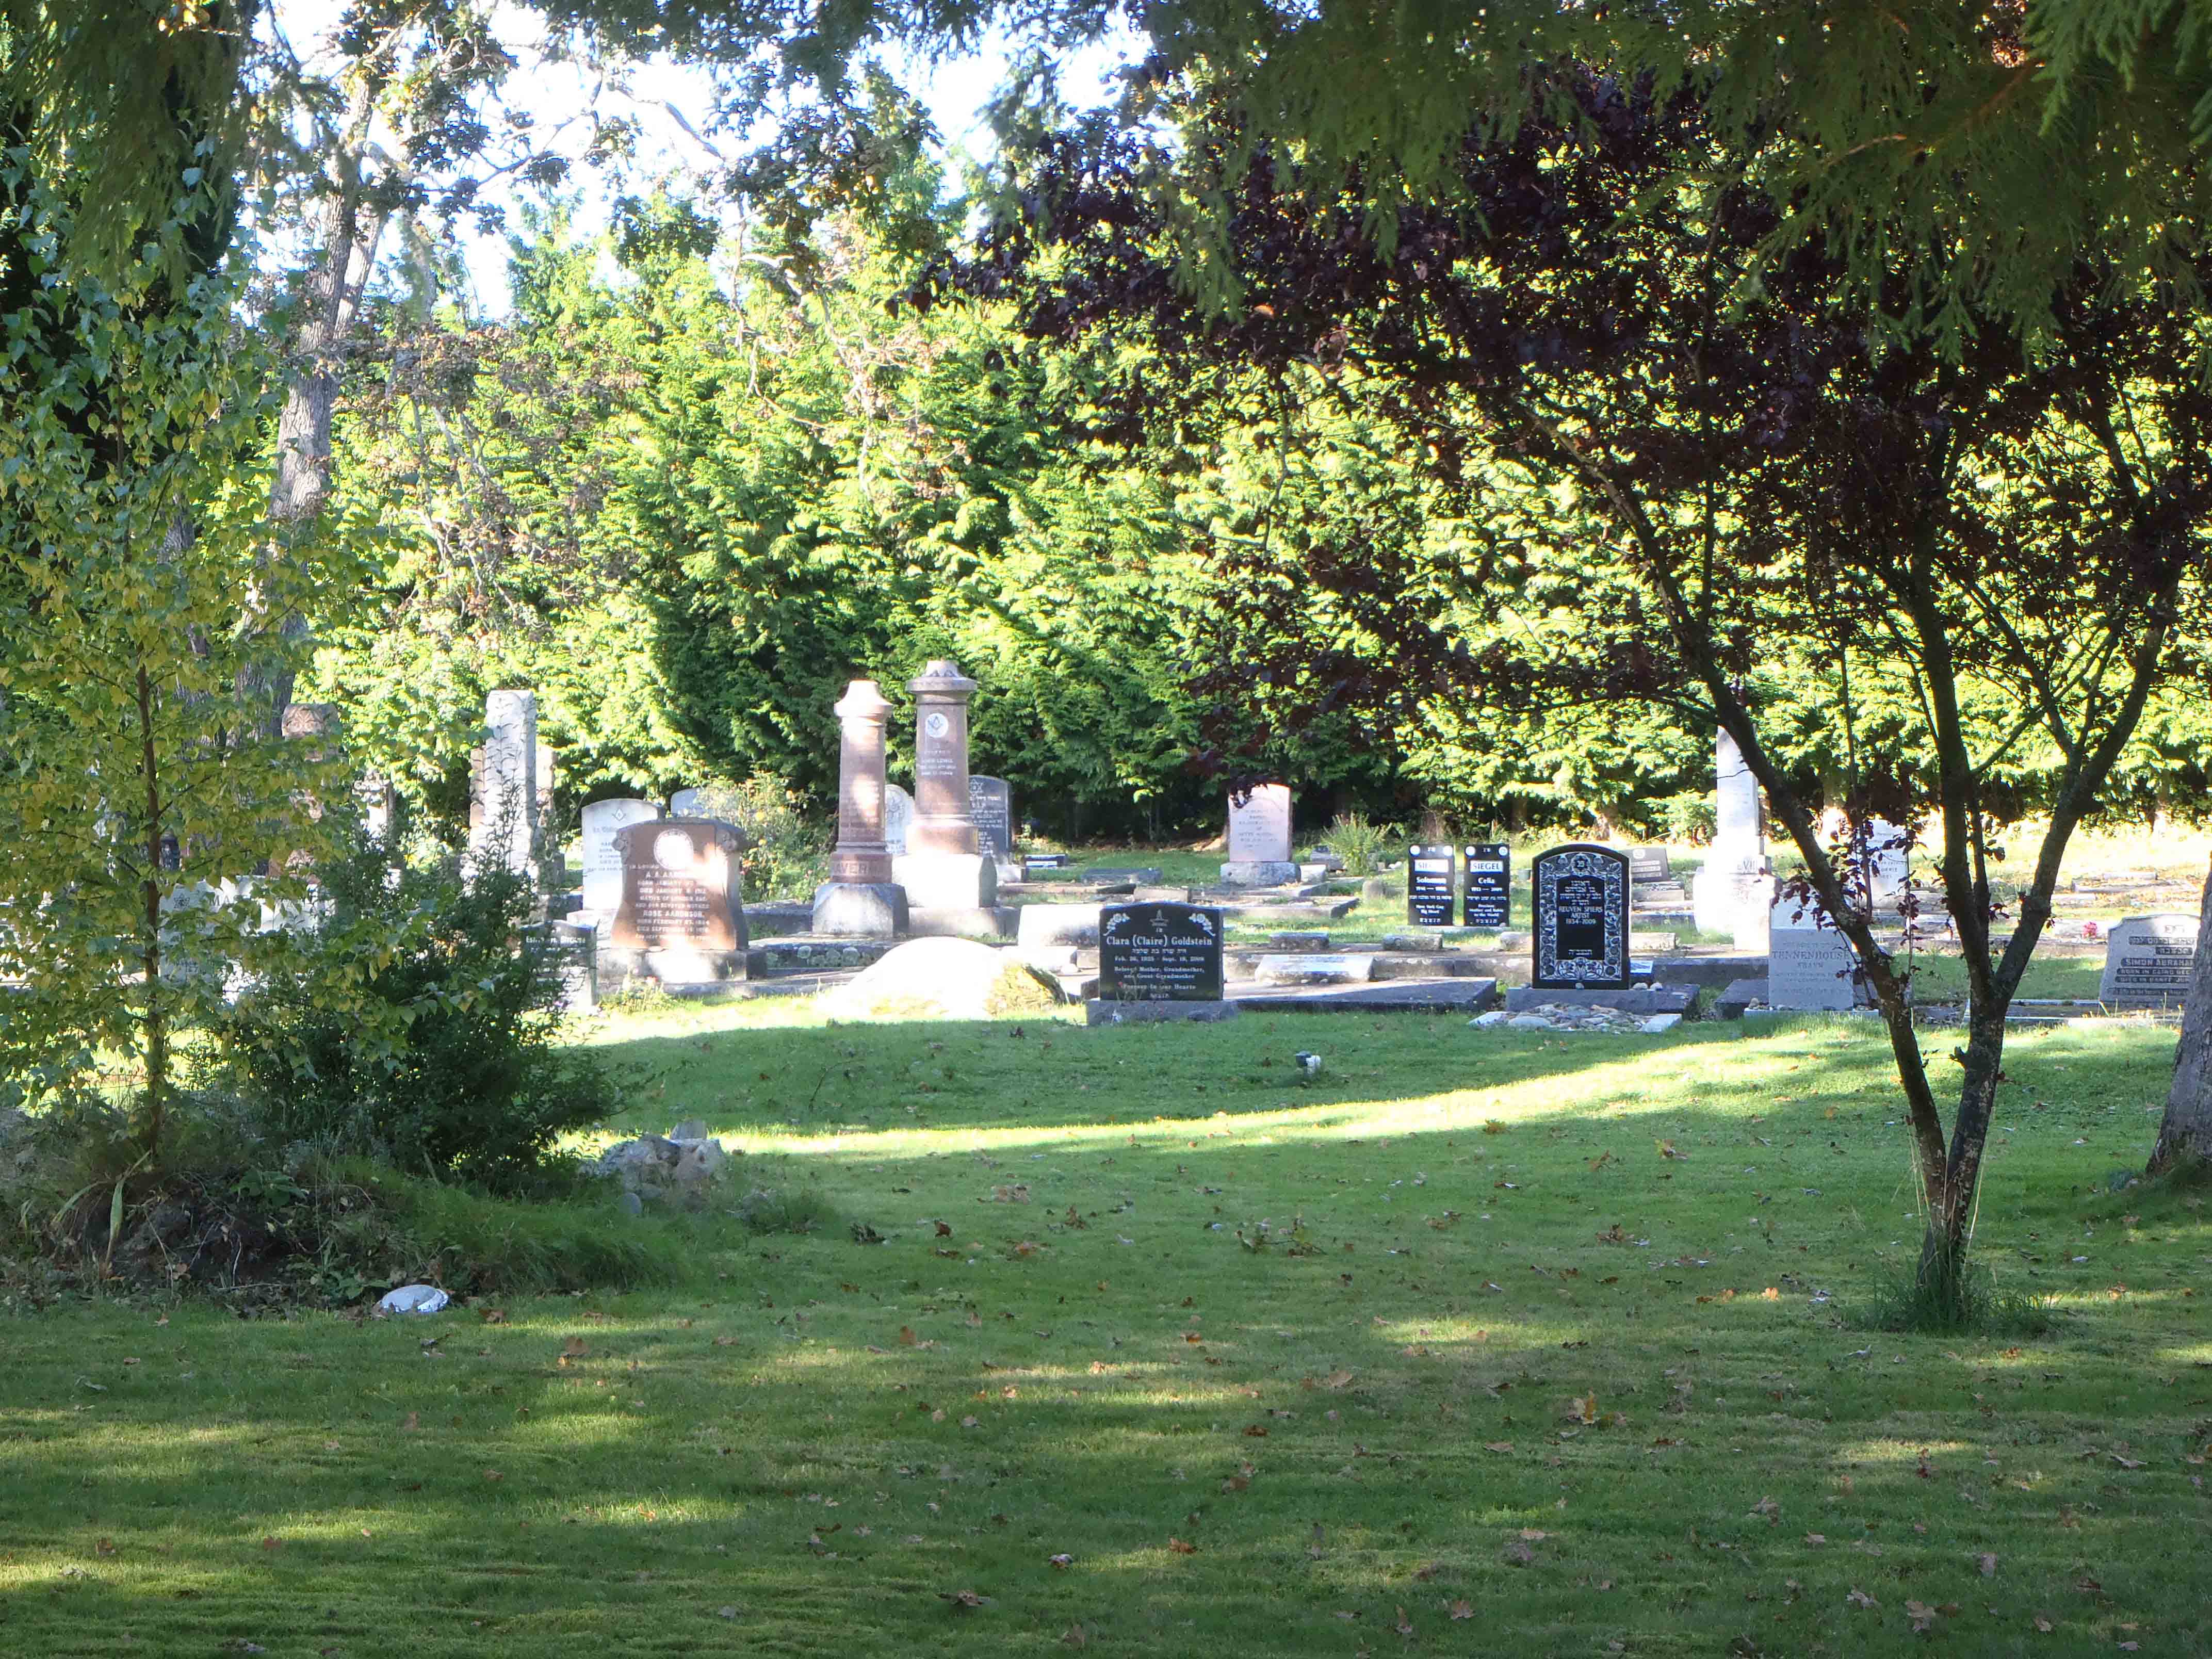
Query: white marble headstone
(898, 818)
(603, 866)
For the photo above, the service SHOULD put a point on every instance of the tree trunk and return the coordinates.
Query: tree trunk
(2185, 1134)
(150, 943)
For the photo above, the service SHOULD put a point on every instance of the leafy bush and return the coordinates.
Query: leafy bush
(420, 1027)
(1360, 842)
(790, 854)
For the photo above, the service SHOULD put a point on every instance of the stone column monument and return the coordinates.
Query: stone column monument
(860, 899)
(944, 868)
(506, 833)
(1733, 891)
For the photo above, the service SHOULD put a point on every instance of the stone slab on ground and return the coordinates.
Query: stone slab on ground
(1461, 996)
(1719, 969)
(1122, 876)
(1739, 994)
(1314, 968)
(1098, 1012)
(959, 921)
(779, 917)
(1259, 872)
(1635, 999)
(1291, 911)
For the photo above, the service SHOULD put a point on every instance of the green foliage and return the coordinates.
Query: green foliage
(1360, 842)
(437, 1049)
(152, 814)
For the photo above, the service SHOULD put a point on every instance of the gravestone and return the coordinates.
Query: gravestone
(898, 819)
(1429, 886)
(710, 801)
(1726, 887)
(602, 869)
(1581, 904)
(2148, 960)
(681, 918)
(991, 803)
(861, 900)
(1809, 965)
(1160, 961)
(1649, 864)
(945, 867)
(503, 833)
(1889, 860)
(1488, 901)
(1258, 839)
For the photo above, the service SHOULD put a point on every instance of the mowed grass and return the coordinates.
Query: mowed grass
(1506, 1378)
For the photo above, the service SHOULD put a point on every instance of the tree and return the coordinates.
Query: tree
(149, 815)
(2185, 1133)
(2020, 538)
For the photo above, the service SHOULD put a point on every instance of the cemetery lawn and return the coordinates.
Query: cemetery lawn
(1476, 1343)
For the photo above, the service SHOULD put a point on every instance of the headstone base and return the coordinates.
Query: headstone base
(982, 921)
(1720, 897)
(1315, 968)
(674, 971)
(945, 881)
(1259, 872)
(1100, 1013)
(1636, 999)
(851, 909)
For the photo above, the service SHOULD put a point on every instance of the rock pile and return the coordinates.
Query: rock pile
(679, 1168)
(1570, 1017)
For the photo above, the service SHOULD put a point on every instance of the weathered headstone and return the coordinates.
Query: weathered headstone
(1889, 861)
(898, 819)
(1649, 864)
(603, 865)
(991, 803)
(681, 918)
(1581, 900)
(861, 900)
(945, 867)
(1727, 884)
(1809, 965)
(2148, 960)
(1489, 898)
(506, 835)
(1160, 960)
(1258, 839)
(718, 801)
(1429, 886)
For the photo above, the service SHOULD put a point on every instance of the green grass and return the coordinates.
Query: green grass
(810, 1443)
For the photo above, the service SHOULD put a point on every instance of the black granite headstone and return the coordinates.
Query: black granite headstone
(1649, 864)
(1580, 931)
(1489, 899)
(1429, 873)
(991, 803)
(1162, 952)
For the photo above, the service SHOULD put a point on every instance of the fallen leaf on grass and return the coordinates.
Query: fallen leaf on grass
(2042, 1623)
(103, 1547)
(906, 1336)
(2126, 1462)
(963, 1600)
(1859, 1598)
(1816, 1538)
(1517, 1553)
(1462, 1610)
(1921, 1615)
(1180, 1548)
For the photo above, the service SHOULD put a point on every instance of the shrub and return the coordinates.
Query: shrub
(418, 1027)
(1689, 818)
(1359, 841)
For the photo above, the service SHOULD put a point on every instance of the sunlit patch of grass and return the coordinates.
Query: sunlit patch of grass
(726, 1439)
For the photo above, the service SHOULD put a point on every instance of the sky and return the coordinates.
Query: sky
(956, 91)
